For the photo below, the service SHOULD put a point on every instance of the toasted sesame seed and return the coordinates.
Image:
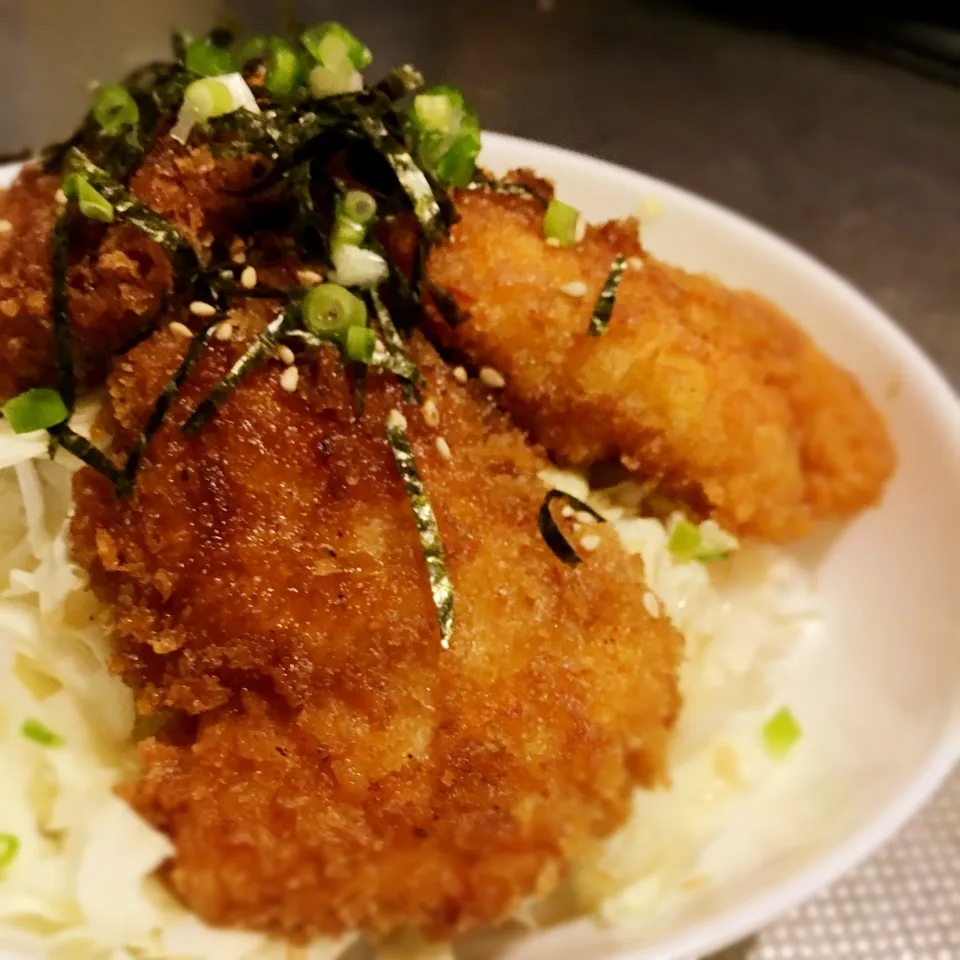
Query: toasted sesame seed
(285, 354)
(397, 420)
(460, 374)
(552, 242)
(200, 308)
(567, 511)
(492, 378)
(584, 517)
(248, 279)
(289, 379)
(5, 226)
(590, 542)
(60, 197)
(309, 278)
(431, 414)
(180, 329)
(581, 229)
(443, 448)
(635, 263)
(650, 208)
(651, 604)
(576, 288)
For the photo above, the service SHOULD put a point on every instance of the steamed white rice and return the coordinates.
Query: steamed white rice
(80, 885)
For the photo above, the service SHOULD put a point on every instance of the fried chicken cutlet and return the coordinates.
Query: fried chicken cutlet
(341, 769)
(715, 394)
(118, 278)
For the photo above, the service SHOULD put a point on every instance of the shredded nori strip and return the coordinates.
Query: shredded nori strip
(60, 305)
(399, 83)
(84, 450)
(182, 255)
(398, 361)
(447, 307)
(161, 407)
(551, 533)
(441, 588)
(608, 297)
(508, 188)
(258, 350)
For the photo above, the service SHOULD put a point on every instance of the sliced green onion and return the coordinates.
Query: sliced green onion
(706, 542)
(9, 848)
(324, 82)
(35, 409)
(781, 733)
(208, 59)
(212, 97)
(40, 733)
(331, 43)
(330, 310)
(114, 108)
(441, 587)
(91, 203)
(560, 223)
(284, 72)
(347, 233)
(446, 132)
(359, 344)
(253, 48)
(356, 267)
(358, 205)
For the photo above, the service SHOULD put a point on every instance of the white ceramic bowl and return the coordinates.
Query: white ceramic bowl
(883, 692)
(882, 695)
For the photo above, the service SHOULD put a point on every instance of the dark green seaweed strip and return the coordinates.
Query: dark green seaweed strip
(125, 205)
(398, 362)
(60, 304)
(84, 450)
(441, 589)
(507, 188)
(399, 83)
(264, 344)
(161, 407)
(608, 297)
(410, 177)
(551, 533)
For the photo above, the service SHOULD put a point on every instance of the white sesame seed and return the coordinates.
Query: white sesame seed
(576, 288)
(651, 604)
(239, 257)
(285, 354)
(460, 374)
(397, 420)
(443, 448)
(552, 242)
(5, 226)
(289, 379)
(224, 331)
(181, 329)
(431, 414)
(309, 278)
(200, 308)
(492, 378)
(248, 279)
(581, 229)
(635, 263)
(584, 517)
(590, 542)
(567, 511)
(60, 197)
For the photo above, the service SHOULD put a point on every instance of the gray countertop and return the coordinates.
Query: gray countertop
(855, 160)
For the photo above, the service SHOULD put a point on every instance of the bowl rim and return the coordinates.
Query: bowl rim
(713, 934)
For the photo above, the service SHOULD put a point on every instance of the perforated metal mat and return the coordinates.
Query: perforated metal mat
(903, 904)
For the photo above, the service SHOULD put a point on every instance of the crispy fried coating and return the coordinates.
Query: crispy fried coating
(118, 278)
(344, 770)
(715, 394)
